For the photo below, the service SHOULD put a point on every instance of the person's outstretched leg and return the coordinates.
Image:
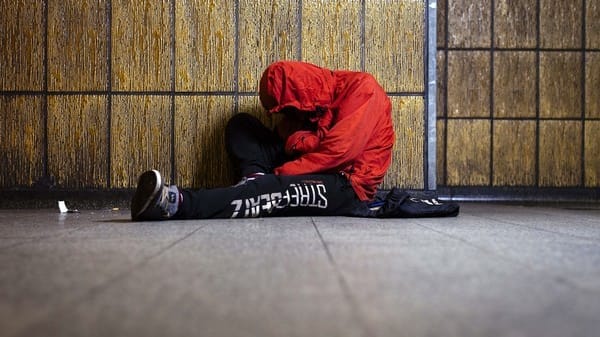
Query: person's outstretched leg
(273, 195)
(253, 147)
(268, 195)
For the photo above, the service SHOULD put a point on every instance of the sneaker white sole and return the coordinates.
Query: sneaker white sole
(149, 184)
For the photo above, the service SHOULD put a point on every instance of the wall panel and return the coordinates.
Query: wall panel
(441, 22)
(592, 85)
(269, 31)
(514, 84)
(77, 45)
(441, 84)
(201, 158)
(592, 24)
(331, 33)
(560, 153)
(396, 60)
(515, 23)
(22, 49)
(21, 140)
(141, 45)
(560, 23)
(140, 138)
(440, 154)
(78, 141)
(468, 84)
(514, 153)
(560, 84)
(468, 152)
(592, 154)
(205, 35)
(469, 23)
(407, 156)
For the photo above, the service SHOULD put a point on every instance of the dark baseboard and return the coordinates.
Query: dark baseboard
(109, 199)
(74, 199)
(520, 194)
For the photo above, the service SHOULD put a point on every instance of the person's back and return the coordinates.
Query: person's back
(353, 130)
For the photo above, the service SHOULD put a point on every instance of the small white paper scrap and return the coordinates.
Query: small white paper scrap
(62, 207)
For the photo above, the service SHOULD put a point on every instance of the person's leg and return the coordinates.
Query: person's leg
(272, 195)
(253, 147)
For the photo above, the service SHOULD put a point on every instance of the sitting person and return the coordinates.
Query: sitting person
(327, 156)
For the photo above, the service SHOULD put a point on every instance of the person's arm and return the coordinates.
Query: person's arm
(341, 144)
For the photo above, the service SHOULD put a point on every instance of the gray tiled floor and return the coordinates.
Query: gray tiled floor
(493, 271)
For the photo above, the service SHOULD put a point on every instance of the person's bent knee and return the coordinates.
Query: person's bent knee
(240, 119)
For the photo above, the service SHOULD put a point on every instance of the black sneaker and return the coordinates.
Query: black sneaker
(153, 200)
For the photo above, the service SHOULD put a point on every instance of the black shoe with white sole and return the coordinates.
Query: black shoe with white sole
(153, 200)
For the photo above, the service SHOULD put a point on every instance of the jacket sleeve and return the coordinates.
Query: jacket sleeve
(343, 142)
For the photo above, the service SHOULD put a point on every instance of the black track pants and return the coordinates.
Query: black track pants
(273, 195)
(253, 149)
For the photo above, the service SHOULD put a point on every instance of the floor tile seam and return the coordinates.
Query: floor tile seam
(560, 279)
(538, 229)
(93, 291)
(345, 287)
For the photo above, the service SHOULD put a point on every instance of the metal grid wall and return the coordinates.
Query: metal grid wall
(518, 105)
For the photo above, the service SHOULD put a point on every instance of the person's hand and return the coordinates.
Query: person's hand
(301, 142)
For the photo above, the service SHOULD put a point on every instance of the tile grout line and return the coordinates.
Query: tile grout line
(94, 290)
(554, 278)
(366, 330)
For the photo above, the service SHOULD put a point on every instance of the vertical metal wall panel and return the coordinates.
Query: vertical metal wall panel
(141, 45)
(201, 158)
(468, 84)
(396, 60)
(441, 148)
(560, 153)
(514, 84)
(592, 153)
(468, 152)
(21, 140)
(269, 31)
(407, 156)
(140, 137)
(514, 153)
(560, 84)
(560, 23)
(592, 85)
(77, 45)
(515, 23)
(469, 23)
(22, 45)
(592, 22)
(78, 141)
(331, 33)
(205, 35)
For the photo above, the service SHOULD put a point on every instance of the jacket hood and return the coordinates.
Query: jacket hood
(301, 85)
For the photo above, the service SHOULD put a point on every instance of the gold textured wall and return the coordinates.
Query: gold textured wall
(93, 92)
(518, 98)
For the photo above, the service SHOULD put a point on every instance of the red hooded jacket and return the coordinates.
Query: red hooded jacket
(353, 131)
